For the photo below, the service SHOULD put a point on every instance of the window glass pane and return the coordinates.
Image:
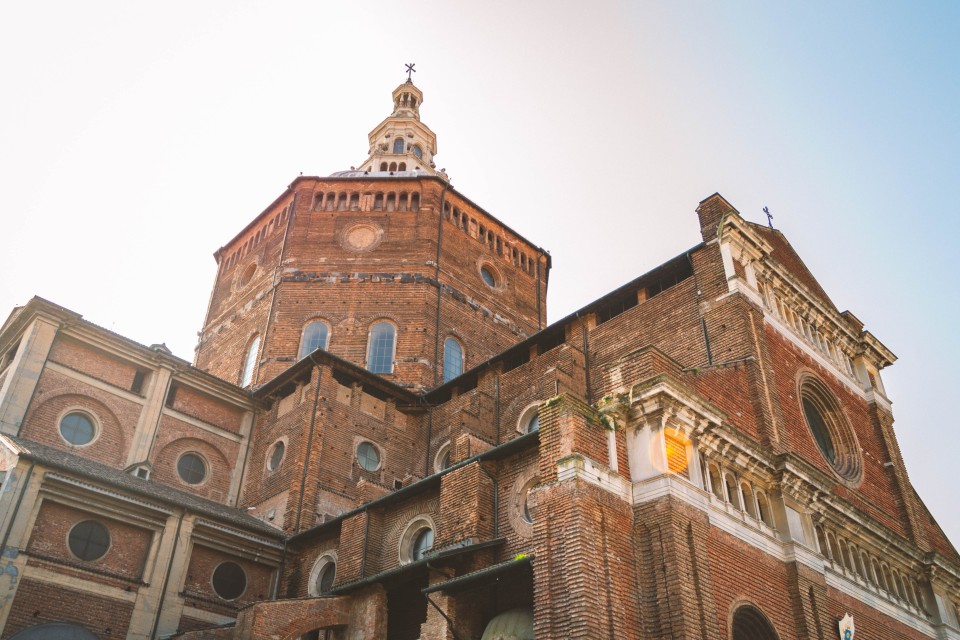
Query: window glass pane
(249, 362)
(452, 359)
(191, 468)
(229, 581)
(422, 544)
(417, 151)
(487, 276)
(89, 540)
(314, 337)
(534, 424)
(398, 145)
(327, 576)
(77, 429)
(368, 457)
(380, 356)
(277, 456)
(821, 433)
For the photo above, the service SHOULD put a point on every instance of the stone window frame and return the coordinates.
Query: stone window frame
(519, 495)
(325, 559)
(207, 470)
(358, 442)
(393, 347)
(410, 534)
(848, 460)
(463, 357)
(246, 580)
(529, 413)
(73, 528)
(86, 413)
(757, 612)
(246, 276)
(250, 356)
(443, 451)
(268, 459)
(303, 336)
(494, 273)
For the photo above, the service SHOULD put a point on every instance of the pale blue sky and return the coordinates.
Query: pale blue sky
(136, 138)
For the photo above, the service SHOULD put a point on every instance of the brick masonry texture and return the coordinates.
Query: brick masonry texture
(575, 525)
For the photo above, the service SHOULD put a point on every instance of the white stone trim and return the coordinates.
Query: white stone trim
(578, 467)
(206, 426)
(95, 383)
(49, 576)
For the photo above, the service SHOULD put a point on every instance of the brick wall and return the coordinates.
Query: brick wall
(39, 602)
(124, 559)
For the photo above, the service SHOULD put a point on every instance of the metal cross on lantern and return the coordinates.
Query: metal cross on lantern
(410, 70)
(769, 217)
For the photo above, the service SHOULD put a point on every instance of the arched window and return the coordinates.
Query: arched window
(402, 167)
(323, 574)
(733, 494)
(748, 504)
(452, 359)
(380, 348)
(315, 335)
(249, 362)
(750, 624)
(383, 166)
(398, 145)
(422, 544)
(417, 151)
(417, 539)
(763, 509)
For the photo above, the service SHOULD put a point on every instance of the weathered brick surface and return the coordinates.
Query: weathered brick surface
(57, 395)
(324, 277)
(198, 587)
(38, 602)
(124, 558)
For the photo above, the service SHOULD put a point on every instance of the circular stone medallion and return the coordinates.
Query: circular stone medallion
(362, 236)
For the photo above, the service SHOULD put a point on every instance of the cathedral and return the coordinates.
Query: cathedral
(382, 437)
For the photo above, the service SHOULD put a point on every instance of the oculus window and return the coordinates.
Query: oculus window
(89, 540)
(77, 429)
(276, 456)
(229, 580)
(829, 429)
(191, 468)
(368, 456)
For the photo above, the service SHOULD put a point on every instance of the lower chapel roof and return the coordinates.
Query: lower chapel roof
(103, 474)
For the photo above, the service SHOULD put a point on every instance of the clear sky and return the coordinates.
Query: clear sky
(136, 138)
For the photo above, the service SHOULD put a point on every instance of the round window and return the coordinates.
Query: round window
(488, 277)
(89, 540)
(77, 429)
(247, 274)
(422, 544)
(327, 576)
(368, 457)
(229, 580)
(191, 468)
(276, 457)
(835, 439)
